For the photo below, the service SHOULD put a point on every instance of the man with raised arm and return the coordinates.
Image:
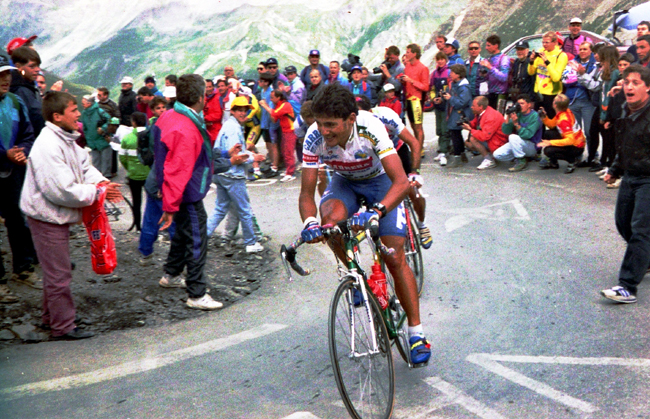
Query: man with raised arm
(356, 146)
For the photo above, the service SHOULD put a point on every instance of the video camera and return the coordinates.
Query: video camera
(462, 121)
(350, 62)
(516, 108)
(377, 70)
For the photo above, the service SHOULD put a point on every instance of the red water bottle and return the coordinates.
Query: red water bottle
(377, 283)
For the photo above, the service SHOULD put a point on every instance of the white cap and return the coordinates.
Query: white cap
(388, 87)
(126, 79)
(576, 20)
(169, 92)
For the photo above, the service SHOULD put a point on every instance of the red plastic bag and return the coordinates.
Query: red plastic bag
(102, 245)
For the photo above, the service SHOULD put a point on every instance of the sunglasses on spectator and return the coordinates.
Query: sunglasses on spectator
(260, 68)
(272, 66)
(473, 48)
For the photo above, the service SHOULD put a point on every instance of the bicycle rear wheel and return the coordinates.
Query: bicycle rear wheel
(365, 379)
(413, 247)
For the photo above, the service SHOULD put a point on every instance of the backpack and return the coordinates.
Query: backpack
(145, 146)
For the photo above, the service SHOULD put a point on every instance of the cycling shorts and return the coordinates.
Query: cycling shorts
(414, 111)
(253, 134)
(373, 191)
(404, 153)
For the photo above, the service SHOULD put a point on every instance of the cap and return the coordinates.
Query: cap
(314, 52)
(576, 20)
(150, 79)
(388, 87)
(272, 60)
(4, 64)
(454, 43)
(290, 69)
(169, 92)
(355, 67)
(522, 44)
(126, 79)
(114, 121)
(18, 42)
(240, 102)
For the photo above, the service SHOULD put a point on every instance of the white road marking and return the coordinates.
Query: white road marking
(458, 397)
(489, 362)
(139, 366)
(499, 211)
(262, 182)
(301, 415)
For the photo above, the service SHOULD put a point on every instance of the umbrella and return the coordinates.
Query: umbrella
(634, 16)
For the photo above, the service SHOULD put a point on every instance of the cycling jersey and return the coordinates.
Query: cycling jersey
(361, 157)
(392, 122)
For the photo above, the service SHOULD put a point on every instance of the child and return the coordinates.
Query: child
(283, 112)
(439, 84)
(136, 172)
(390, 100)
(60, 181)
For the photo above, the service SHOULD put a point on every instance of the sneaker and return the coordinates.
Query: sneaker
(584, 164)
(254, 248)
(570, 169)
(487, 164)
(425, 237)
(546, 164)
(420, 350)
(619, 294)
(272, 173)
(75, 334)
(443, 160)
(253, 177)
(615, 185)
(204, 303)
(168, 281)
(463, 157)
(287, 178)
(455, 162)
(520, 165)
(602, 172)
(6, 296)
(596, 166)
(28, 278)
(146, 260)
(437, 158)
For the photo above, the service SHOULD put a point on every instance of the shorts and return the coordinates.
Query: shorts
(373, 191)
(266, 135)
(253, 134)
(275, 134)
(404, 153)
(414, 111)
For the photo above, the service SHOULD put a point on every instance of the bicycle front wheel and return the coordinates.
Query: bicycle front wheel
(360, 354)
(413, 248)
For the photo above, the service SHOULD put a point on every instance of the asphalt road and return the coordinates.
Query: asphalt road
(511, 305)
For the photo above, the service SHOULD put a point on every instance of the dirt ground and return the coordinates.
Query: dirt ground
(131, 297)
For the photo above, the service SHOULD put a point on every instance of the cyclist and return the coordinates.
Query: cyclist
(408, 150)
(355, 145)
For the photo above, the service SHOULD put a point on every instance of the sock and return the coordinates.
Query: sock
(257, 171)
(416, 331)
(421, 225)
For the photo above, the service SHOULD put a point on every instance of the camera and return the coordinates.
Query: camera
(350, 62)
(482, 71)
(516, 108)
(463, 120)
(377, 70)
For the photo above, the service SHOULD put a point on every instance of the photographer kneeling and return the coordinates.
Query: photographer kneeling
(485, 135)
(524, 130)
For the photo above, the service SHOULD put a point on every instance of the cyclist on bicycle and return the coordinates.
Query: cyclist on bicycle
(355, 145)
(408, 149)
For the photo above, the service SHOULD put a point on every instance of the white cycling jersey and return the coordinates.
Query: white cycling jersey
(391, 121)
(361, 157)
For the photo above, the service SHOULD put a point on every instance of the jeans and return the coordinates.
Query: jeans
(149, 233)
(233, 190)
(101, 159)
(232, 224)
(441, 131)
(515, 148)
(584, 111)
(633, 223)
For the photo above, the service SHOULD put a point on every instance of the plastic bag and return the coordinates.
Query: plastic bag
(102, 244)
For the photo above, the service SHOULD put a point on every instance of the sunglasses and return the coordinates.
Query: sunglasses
(260, 68)
(272, 67)
(473, 48)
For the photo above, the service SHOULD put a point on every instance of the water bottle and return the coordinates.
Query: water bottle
(377, 283)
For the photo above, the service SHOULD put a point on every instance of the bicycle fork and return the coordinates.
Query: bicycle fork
(374, 350)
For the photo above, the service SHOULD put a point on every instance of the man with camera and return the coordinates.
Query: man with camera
(391, 68)
(498, 68)
(522, 82)
(485, 135)
(548, 65)
(524, 130)
(473, 64)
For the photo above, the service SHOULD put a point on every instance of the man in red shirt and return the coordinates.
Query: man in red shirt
(416, 84)
(212, 113)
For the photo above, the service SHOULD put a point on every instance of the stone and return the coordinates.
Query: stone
(6, 334)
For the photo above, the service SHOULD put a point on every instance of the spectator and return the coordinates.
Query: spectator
(212, 112)
(439, 85)
(170, 80)
(59, 182)
(372, 82)
(390, 99)
(229, 72)
(451, 49)
(225, 97)
(184, 147)
(295, 90)
(315, 86)
(95, 123)
(643, 28)
(128, 101)
(458, 101)
(107, 104)
(475, 72)
(416, 85)
(485, 134)
(261, 68)
(136, 172)
(144, 98)
(150, 83)
(314, 64)
(643, 50)
(440, 42)
(569, 144)
(335, 75)
(498, 68)
(272, 69)
(548, 67)
(42, 85)
(266, 124)
(572, 42)
(16, 43)
(633, 164)
(358, 87)
(522, 83)
(16, 140)
(282, 113)
(580, 88)
(391, 68)
(158, 106)
(524, 130)
(27, 62)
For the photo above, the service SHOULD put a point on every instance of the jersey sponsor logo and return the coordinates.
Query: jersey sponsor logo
(307, 158)
(313, 140)
(350, 166)
(360, 154)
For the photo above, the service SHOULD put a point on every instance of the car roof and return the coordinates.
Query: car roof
(509, 50)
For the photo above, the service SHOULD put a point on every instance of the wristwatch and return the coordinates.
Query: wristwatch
(380, 208)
